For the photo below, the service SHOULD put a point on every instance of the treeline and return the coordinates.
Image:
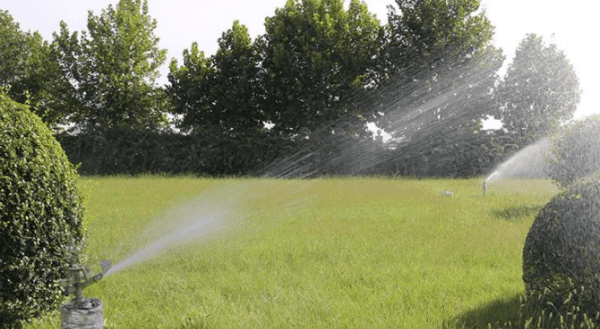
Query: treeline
(297, 100)
(135, 151)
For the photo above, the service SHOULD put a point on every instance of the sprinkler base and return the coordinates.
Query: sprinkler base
(89, 316)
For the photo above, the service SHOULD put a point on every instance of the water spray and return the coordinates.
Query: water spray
(82, 312)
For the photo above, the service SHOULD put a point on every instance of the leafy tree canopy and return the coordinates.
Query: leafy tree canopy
(221, 93)
(434, 47)
(431, 31)
(540, 90)
(316, 55)
(113, 67)
(13, 49)
(437, 79)
(27, 71)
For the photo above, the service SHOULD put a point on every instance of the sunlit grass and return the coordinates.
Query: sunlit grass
(351, 253)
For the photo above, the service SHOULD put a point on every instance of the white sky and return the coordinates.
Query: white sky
(573, 23)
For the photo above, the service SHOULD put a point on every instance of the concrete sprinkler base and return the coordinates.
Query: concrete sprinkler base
(89, 317)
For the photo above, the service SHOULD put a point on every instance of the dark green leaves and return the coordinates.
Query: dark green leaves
(220, 95)
(28, 71)
(113, 68)
(317, 56)
(575, 152)
(561, 257)
(540, 90)
(40, 214)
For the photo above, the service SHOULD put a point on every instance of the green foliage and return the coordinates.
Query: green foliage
(429, 31)
(436, 85)
(13, 49)
(561, 257)
(317, 58)
(575, 151)
(220, 95)
(437, 51)
(113, 68)
(130, 151)
(40, 215)
(189, 87)
(540, 90)
(299, 77)
(450, 155)
(29, 72)
(320, 72)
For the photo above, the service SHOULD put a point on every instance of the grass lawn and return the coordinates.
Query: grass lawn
(325, 253)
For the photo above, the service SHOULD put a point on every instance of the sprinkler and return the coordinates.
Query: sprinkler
(484, 187)
(82, 312)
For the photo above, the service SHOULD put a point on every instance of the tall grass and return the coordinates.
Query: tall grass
(350, 253)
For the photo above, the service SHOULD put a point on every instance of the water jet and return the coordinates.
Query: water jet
(217, 210)
(529, 162)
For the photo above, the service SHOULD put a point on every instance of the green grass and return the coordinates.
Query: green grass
(330, 253)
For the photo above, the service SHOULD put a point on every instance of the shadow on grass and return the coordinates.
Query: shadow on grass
(517, 213)
(512, 313)
(501, 313)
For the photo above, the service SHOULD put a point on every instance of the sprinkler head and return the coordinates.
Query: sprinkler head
(80, 277)
(484, 187)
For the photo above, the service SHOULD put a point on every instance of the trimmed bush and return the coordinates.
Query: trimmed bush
(575, 152)
(110, 151)
(40, 215)
(561, 257)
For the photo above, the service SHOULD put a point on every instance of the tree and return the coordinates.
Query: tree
(436, 83)
(13, 49)
(316, 56)
(236, 87)
(540, 90)
(430, 31)
(436, 52)
(28, 71)
(113, 69)
(219, 94)
(189, 88)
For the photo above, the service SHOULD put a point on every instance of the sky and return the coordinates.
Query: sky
(572, 25)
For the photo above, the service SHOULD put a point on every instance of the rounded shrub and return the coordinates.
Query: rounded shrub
(575, 151)
(40, 215)
(561, 257)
